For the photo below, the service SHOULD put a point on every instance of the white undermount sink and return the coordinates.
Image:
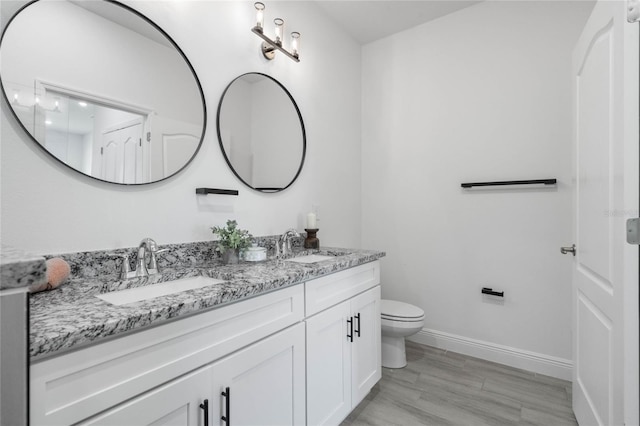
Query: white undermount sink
(311, 258)
(137, 294)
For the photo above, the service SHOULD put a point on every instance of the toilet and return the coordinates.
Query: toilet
(399, 320)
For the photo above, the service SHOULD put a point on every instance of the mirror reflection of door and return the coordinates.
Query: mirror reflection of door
(122, 158)
(84, 134)
(172, 144)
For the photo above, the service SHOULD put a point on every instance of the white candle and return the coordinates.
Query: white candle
(311, 221)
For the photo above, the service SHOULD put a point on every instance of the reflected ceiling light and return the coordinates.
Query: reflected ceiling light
(35, 103)
(17, 103)
(48, 122)
(82, 104)
(269, 46)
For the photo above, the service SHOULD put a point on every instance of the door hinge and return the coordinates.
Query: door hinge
(148, 136)
(102, 151)
(140, 141)
(633, 11)
(633, 231)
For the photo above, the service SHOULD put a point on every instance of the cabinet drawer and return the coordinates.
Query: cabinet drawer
(329, 290)
(72, 387)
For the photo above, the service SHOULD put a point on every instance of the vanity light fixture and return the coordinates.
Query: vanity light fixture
(269, 46)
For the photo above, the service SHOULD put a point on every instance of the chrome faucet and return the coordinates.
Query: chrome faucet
(283, 245)
(143, 268)
(145, 245)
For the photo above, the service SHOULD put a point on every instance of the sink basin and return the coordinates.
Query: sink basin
(311, 258)
(137, 294)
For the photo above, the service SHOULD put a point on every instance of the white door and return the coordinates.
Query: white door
(178, 403)
(121, 155)
(263, 384)
(329, 366)
(606, 268)
(366, 361)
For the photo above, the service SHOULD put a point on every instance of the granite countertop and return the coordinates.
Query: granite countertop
(71, 316)
(19, 268)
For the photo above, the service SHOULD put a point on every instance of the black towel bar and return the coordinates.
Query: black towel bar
(511, 182)
(205, 191)
(490, 291)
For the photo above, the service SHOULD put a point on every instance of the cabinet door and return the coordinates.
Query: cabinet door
(329, 366)
(175, 403)
(366, 361)
(263, 384)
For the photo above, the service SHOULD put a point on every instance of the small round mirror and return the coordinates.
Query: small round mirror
(102, 89)
(261, 132)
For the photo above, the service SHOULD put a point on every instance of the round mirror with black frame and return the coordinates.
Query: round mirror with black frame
(102, 89)
(261, 132)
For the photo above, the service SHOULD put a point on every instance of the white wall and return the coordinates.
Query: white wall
(46, 208)
(483, 94)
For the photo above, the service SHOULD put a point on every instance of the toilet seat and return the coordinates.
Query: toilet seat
(392, 310)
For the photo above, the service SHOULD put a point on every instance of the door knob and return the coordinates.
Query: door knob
(565, 250)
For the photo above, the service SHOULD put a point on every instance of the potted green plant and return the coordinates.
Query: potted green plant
(231, 240)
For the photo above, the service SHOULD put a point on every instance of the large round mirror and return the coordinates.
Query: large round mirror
(261, 132)
(102, 89)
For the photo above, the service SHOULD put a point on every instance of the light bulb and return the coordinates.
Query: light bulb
(295, 44)
(259, 16)
(279, 30)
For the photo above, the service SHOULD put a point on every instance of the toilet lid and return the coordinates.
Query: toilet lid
(395, 309)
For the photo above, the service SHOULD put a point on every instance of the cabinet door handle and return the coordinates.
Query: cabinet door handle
(357, 316)
(350, 333)
(227, 404)
(205, 408)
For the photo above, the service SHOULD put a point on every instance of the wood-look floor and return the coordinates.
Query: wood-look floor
(445, 388)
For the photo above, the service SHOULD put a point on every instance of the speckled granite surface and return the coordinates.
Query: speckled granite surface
(19, 268)
(71, 316)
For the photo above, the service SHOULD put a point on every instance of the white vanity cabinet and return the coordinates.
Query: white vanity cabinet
(262, 384)
(343, 342)
(281, 358)
(148, 368)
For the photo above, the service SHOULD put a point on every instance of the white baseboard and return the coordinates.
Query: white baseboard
(531, 361)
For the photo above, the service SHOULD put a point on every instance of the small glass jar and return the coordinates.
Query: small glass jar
(255, 253)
